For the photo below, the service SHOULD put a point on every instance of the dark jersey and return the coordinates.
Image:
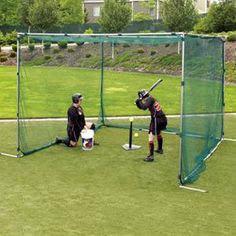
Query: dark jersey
(76, 122)
(158, 118)
(152, 105)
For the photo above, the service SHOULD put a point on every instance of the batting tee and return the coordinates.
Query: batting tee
(40, 94)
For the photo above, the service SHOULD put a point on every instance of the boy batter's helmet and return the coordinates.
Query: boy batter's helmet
(76, 97)
(143, 93)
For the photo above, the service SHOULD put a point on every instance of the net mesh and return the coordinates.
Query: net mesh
(202, 121)
(49, 78)
(45, 92)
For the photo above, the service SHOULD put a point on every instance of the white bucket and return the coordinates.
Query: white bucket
(87, 137)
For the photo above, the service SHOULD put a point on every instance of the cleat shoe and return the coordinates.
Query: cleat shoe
(149, 158)
(159, 151)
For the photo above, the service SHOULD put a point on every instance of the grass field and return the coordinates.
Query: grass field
(120, 91)
(109, 191)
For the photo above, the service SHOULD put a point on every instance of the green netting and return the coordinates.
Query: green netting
(202, 118)
(133, 39)
(48, 79)
(45, 94)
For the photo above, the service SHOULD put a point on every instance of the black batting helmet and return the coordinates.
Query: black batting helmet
(76, 97)
(143, 93)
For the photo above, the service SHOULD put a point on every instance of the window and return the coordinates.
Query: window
(96, 11)
(208, 3)
(152, 12)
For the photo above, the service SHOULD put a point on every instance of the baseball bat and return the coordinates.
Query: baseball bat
(154, 85)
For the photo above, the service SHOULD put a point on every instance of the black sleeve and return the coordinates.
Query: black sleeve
(81, 118)
(72, 117)
(138, 101)
(81, 121)
(145, 103)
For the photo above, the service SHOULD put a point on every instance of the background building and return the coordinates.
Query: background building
(93, 8)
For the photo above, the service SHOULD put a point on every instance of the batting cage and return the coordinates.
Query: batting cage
(48, 75)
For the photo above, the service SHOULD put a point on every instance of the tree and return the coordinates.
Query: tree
(24, 10)
(221, 17)
(115, 15)
(23, 13)
(43, 14)
(179, 15)
(8, 12)
(71, 12)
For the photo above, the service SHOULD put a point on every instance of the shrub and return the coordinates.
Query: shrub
(56, 50)
(140, 50)
(88, 31)
(153, 53)
(27, 40)
(3, 58)
(11, 38)
(46, 45)
(62, 44)
(220, 17)
(2, 39)
(31, 47)
(88, 55)
(14, 47)
(70, 50)
(231, 37)
(12, 54)
(80, 43)
(141, 16)
(47, 57)
(126, 45)
(201, 26)
(59, 57)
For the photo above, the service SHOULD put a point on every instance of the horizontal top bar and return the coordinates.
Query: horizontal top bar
(102, 35)
(109, 37)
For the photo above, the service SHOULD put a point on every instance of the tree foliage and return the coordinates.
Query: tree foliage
(8, 12)
(140, 16)
(115, 15)
(23, 11)
(71, 12)
(221, 17)
(179, 15)
(44, 14)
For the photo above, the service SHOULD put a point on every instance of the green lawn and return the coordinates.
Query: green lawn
(108, 191)
(120, 91)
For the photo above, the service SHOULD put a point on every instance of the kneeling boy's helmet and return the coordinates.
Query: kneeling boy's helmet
(76, 97)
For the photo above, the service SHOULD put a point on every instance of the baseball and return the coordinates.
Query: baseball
(136, 135)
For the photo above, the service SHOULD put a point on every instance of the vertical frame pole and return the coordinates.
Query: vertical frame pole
(18, 97)
(102, 84)
(223, 86)
(182, 109)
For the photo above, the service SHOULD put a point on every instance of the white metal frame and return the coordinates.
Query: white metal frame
(140, 35)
